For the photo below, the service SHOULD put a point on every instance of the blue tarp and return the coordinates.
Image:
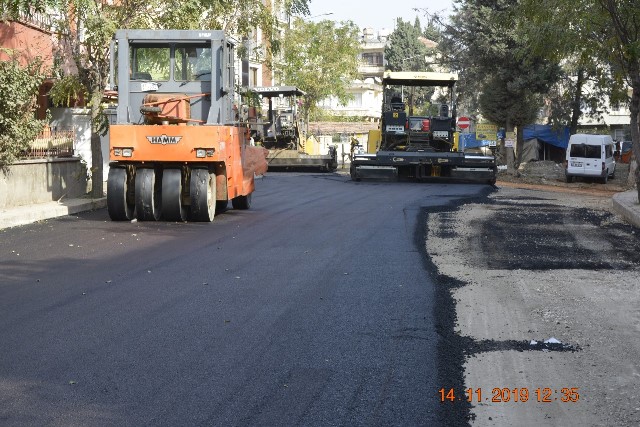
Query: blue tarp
(468, 140)
(548, 135)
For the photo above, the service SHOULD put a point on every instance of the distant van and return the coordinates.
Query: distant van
(590, 156)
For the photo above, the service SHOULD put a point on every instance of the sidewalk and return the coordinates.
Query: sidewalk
(21, 215)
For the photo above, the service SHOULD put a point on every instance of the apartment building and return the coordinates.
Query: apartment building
(366, 92)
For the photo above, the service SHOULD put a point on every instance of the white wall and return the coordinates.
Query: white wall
(80, 120)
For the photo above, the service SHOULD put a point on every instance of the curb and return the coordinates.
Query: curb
(626, 205)
(23, 215)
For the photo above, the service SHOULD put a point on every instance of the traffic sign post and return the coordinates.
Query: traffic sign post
(464, 122)
(487, 132)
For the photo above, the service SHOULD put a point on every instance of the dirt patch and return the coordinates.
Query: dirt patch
(551, 174)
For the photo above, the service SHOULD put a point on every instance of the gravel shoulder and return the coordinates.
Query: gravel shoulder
(574, 277)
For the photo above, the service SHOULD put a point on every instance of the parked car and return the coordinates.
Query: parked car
(590, 156)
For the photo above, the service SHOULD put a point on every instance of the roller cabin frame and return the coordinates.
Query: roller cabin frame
(177, 149)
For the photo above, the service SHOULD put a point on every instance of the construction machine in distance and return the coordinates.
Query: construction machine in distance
(177, 151)
(416, 145)
(282, 133)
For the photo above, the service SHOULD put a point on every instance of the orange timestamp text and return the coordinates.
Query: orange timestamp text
(506, 394)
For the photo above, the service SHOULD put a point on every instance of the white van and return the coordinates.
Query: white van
(590, 156)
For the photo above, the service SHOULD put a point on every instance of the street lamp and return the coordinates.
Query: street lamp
(322, 14)
(306, 18)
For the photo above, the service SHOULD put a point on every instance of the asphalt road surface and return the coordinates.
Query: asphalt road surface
(315, 307)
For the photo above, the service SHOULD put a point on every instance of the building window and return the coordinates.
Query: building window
(618, 134)
(373, 59)
(356, 101)
(253, 76)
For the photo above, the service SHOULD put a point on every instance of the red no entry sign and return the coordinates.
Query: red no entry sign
(463, 122)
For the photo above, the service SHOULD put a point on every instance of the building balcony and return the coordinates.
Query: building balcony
(371, 70)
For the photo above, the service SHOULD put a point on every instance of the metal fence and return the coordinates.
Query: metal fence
(37, 19)
(52, 143)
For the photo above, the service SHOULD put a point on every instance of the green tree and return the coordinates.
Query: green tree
(619, 39)
(18, 90)
(320, 59)
(603, 33)
(578, 93)
(405, 51)
(236, 17)
(558, 31)
(494, 56)
(86, 27)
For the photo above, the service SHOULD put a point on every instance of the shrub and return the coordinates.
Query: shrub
(18, 100)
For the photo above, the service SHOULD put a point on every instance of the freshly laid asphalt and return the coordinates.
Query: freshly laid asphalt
(164, 323)
(624, 203)
(314, 307)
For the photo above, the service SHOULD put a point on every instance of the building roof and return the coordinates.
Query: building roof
(428, 43)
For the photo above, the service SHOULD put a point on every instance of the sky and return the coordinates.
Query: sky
(376, 14)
